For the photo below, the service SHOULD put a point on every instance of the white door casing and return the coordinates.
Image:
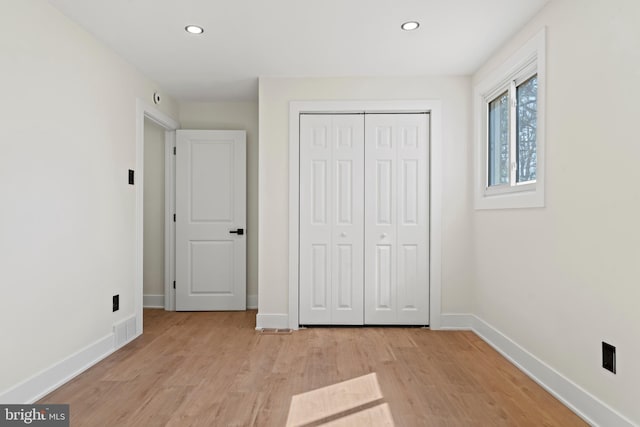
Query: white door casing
(331, 219)
(397, 219)
(210, 204)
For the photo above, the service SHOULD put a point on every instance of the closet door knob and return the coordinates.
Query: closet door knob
(343, 234)
(383, 235)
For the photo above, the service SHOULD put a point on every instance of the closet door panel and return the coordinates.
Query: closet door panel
(412, 132)
(316, 211)
(348, 228)
(397, 219)
(380, 219)
(331, 219)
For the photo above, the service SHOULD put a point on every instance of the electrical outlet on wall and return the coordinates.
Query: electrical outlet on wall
(608, 357)
(116, 302)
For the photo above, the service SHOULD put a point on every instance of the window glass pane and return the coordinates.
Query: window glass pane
(499, 140)
(527, 95)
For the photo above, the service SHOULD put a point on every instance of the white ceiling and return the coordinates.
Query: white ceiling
(244, 39)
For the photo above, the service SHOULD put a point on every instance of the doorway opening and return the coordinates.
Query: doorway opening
(154, 216)
(145, 112)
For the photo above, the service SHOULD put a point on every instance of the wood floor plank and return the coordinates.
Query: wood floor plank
(214, 369)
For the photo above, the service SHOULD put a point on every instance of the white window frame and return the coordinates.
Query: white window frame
(528, 61)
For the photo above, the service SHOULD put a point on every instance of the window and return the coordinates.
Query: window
(499, 156)
(510, 131)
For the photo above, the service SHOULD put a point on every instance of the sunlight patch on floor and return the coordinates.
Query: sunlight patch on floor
(355, 402)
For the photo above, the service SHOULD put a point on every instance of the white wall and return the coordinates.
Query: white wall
(239, 115)
(561, 279)
(153, 209)
(67, 225)
(274, 97)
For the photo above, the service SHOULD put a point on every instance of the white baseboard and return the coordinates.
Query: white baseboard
(157, 301)
(47, 380)
(252, 302)
(456, 321)
(585, 405)
(153, 301)
(272, 321)
(44, 382)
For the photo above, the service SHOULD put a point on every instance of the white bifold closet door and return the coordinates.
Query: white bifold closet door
(397, 219)
(331, 219)
(364, 219)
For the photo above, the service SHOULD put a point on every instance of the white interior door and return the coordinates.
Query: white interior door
(210, 220)
(397, 219)
(331, 219)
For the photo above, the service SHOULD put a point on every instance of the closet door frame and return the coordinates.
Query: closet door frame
(434, 108)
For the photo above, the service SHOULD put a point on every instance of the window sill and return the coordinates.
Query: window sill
(530, 196)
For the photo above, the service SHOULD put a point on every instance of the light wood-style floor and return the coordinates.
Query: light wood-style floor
(215, 369)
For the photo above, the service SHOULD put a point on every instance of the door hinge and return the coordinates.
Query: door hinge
(174, 151)
(174, 217)
(174, 284)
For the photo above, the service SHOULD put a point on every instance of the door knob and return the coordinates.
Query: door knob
(239, 231)
(383, 235)
(343, 234)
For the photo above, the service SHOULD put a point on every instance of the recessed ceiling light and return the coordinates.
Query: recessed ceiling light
(194, 29)
(410, 25)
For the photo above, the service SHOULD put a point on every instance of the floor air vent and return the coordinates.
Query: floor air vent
(267, 331)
